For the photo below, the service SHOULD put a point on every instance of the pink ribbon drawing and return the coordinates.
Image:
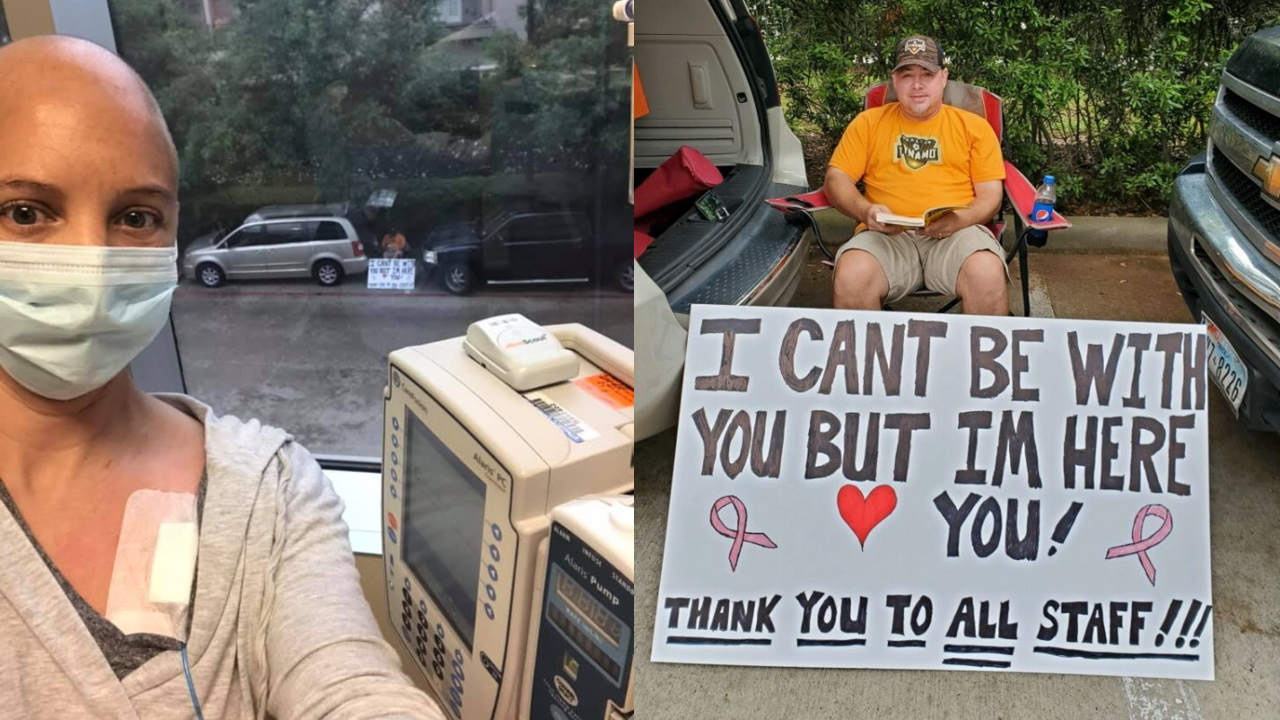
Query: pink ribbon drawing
(1141, 545)
(739, 534)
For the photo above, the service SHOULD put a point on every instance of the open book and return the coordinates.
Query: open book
(929, 217)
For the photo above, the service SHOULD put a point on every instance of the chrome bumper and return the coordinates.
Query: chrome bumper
(1242, 280)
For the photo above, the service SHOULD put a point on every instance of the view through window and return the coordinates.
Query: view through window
(483, 143)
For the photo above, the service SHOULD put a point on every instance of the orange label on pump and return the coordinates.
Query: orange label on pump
(608, 389)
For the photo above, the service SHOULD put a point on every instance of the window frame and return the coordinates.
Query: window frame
(28, 18)
(277, 236)
(342, 231)
(159, 367)
(446, 11)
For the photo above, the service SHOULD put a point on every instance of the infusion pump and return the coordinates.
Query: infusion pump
(581, 659)
(484, 436)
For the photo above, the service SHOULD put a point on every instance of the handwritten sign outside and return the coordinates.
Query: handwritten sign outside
(889, 490)
(391, 274)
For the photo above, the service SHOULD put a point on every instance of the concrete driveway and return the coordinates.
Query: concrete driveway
(1245, 512)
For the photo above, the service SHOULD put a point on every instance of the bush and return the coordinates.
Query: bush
(1110, 96)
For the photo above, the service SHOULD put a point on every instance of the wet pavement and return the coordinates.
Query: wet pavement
(1244, 511)
(313, 360)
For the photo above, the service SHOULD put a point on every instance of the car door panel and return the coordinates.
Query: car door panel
(289, 250)
(242, 253)
(543, 246)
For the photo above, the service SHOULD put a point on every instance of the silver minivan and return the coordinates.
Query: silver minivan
(323, 247)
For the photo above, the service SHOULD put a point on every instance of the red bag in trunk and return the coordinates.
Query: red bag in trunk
(641, 242)
(683, 175)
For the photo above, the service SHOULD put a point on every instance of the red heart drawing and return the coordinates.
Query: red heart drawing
(863, 515)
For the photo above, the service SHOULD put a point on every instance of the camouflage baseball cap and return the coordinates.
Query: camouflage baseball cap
(919, 50)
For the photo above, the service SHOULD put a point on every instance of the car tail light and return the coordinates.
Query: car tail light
(357, 248)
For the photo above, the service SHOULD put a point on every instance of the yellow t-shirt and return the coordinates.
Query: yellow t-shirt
(910, 166)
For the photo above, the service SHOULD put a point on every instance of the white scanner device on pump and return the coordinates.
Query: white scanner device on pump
(483, 437)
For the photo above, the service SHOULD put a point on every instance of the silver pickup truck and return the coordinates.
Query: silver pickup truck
(1224, 233)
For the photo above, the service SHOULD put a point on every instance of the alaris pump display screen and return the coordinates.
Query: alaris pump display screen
(585, 622)
(443, 522)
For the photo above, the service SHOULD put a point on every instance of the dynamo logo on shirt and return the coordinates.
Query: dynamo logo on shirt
(916, 152)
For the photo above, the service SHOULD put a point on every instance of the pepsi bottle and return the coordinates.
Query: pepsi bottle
(1042, 210)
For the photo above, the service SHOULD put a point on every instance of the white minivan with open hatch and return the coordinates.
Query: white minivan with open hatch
(710, 87)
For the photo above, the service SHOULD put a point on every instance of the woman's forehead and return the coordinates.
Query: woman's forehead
(67, 110)
(70, 146)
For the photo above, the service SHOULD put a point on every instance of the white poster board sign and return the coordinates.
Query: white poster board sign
(892, 490)
(391, 274)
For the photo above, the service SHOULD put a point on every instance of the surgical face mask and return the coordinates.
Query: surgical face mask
(72, 317)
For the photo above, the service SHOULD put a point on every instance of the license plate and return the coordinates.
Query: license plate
(1226, 369)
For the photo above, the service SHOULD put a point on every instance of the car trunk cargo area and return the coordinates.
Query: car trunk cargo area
(695, 260)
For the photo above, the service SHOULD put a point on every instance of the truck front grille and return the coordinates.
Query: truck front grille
(1247, 194)
(1251, 115)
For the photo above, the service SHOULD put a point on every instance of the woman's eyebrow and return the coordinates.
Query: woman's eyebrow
(32, 186)
(156, 191)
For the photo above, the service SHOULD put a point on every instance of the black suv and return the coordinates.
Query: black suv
(511, 247)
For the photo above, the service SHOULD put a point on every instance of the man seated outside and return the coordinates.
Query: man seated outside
(393, 244)
(914, 155)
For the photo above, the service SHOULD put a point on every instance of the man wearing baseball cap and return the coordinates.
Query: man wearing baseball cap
(913, 155)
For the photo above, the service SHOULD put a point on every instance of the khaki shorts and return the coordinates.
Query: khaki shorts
(912, 259)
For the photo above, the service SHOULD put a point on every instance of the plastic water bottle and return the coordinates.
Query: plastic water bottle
(1046, 196)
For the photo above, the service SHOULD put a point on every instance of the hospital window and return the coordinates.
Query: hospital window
(452, 11)
(367, 134)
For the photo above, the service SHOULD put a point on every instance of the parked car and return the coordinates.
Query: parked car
(282, 241)
(710, 85)
(1224, 233)
(510, 247)
(357, 216)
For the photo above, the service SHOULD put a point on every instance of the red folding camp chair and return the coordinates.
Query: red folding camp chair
(1019, 193)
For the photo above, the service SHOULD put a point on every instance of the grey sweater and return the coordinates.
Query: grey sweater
(279, 628)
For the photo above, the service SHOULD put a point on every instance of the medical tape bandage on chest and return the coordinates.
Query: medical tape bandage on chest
(155, 564)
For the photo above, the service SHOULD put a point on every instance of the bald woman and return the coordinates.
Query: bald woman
(144, 537)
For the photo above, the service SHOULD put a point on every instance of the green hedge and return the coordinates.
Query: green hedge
(1109, 96)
